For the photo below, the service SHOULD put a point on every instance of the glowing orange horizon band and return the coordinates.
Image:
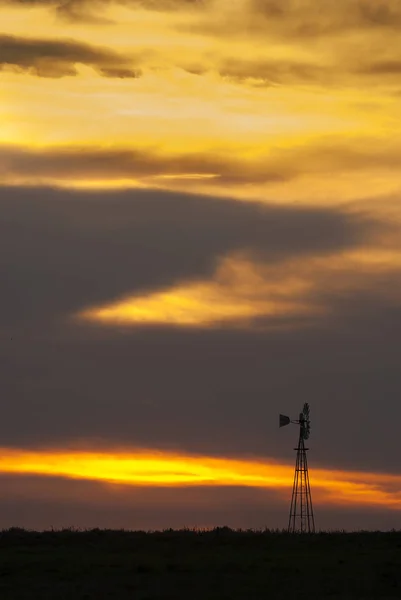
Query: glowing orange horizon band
(153, 468)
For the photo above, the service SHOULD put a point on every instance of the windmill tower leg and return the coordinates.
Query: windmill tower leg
(310, 519)
(301, 517)
(292, 524)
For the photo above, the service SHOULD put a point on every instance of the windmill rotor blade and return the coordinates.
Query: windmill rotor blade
(305, 421)
(284, 420)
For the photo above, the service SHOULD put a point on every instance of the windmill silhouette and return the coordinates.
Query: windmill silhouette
(301, 518)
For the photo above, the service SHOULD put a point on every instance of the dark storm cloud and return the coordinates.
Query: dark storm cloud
(64, 250)
(58, 58)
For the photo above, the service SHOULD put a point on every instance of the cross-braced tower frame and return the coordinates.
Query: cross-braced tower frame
(301, 519)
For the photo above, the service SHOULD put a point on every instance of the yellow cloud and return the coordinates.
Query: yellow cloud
(237, 294)
(242, 291)
(156, 468)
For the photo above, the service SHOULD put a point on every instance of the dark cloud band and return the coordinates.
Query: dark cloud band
(71, 163)
(59, 58)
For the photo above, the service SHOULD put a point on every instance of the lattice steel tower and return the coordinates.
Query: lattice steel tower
(301, 519)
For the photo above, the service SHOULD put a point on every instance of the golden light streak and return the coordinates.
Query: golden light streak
(242, 290)
(156, 468)
(238, 293)
(193, 305)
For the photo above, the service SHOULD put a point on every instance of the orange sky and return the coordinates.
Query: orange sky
(199, 88)
(268, 101)
(269, 104)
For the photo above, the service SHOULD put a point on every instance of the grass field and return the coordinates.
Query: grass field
(194, 565)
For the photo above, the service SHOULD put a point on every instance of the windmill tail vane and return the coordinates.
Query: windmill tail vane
(301, 518)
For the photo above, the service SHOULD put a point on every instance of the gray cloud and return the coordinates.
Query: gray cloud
(58, 58)
(64, 250)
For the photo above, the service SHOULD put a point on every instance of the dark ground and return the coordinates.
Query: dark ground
(190, 565)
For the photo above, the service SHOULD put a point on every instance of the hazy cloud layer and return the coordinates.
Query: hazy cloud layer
(41, 503)
(71, 6)
(337, 15)
(90, 11)
(304, 19)
(58, 58)
(300, 16)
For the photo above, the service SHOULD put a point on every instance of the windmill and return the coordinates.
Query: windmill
(301, 517)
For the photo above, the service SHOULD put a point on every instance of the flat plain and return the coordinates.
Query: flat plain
(186, 564)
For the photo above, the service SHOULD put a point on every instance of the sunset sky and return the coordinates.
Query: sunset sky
(200, 227)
